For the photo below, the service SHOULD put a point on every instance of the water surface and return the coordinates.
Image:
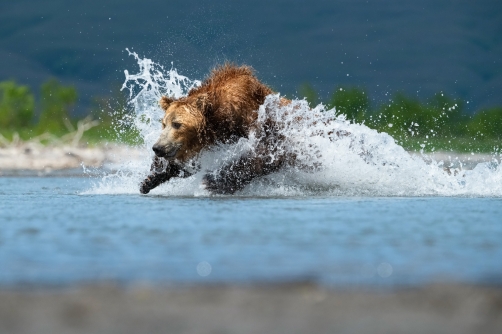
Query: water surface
(352, 207)
(53, 232)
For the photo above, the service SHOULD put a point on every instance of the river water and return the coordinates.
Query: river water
(55, 231)
(355, 209)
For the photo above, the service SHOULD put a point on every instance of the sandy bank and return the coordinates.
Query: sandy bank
(39, 158)
(294, 308)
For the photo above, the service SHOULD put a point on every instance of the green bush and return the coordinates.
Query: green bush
(17, 105)
(404, 116)
(307, 91)
(487, 123)
(450, 116)
(439, 123)
(57, 101)
(115, 119)
(352, 102)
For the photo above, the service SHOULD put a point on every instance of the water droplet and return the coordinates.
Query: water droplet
(204, 268)
(384, 269)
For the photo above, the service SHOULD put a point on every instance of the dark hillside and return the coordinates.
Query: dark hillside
(420, 47)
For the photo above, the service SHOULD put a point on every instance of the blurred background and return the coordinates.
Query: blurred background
(390, 64)
(427, 72)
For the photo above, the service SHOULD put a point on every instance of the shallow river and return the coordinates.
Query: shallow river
(53, 232)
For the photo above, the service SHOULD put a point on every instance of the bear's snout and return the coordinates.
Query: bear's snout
(159, 151)
(165, 152)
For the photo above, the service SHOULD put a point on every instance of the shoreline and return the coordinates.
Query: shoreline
(276, 308)
(40, 159)
(46, 159)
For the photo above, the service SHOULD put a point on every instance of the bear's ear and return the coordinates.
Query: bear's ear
(203, 103)
(165, 102)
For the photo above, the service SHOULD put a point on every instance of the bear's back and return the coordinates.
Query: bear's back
(235, 94)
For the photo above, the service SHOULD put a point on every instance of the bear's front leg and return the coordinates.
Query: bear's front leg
(161, 171)
(240, 173)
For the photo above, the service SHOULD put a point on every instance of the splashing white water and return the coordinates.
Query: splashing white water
(333, 156)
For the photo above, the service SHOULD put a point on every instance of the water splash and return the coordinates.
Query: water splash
(145, 89)
(333, 156)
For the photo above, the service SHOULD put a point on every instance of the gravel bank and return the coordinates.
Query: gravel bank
(288, 308)
(47, 158)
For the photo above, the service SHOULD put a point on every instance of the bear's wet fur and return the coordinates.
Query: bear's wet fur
(221, 110)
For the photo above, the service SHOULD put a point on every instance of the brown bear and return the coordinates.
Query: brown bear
(222, 110)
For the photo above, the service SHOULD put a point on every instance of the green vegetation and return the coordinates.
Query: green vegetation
(115, 119)
(353, 103)
(57, 102)
(106, 121)
(439, 123)
(17, 105)
(308, 92)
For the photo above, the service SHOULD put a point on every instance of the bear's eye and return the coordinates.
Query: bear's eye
(176, 125)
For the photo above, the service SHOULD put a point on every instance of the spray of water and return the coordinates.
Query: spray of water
(332, 155)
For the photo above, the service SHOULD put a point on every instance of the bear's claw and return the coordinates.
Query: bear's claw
(161, 171)
(152, 181)
(144, 187)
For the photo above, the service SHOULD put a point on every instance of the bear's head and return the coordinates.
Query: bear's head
(183, 127)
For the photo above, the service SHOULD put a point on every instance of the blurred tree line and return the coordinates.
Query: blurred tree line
(19, 109)
(439, 123)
